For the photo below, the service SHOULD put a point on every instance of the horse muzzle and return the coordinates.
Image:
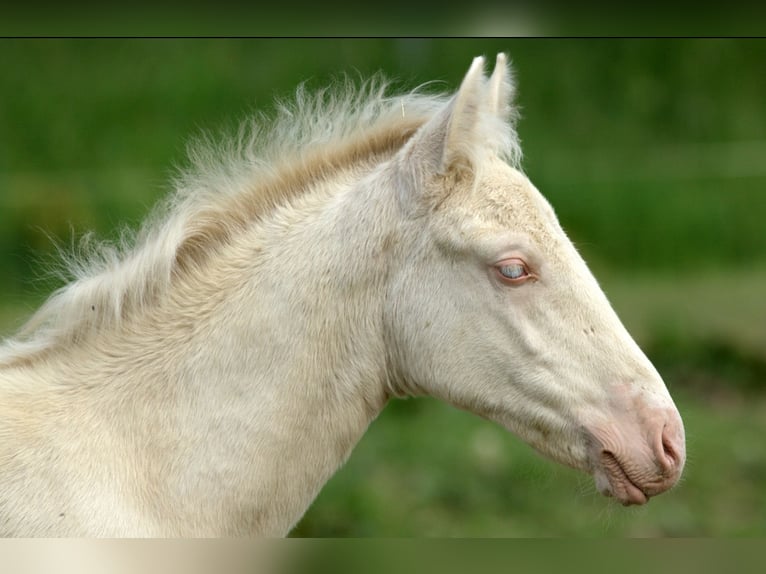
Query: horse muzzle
(637, 457)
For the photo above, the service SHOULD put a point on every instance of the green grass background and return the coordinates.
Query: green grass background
(652, 152)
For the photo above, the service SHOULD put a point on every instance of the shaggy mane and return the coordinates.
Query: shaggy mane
(229, 186)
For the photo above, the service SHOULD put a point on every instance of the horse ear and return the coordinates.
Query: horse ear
(501, 90)
(463, 118)
(475, 123)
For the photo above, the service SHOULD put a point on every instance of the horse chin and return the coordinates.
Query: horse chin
(613, 481)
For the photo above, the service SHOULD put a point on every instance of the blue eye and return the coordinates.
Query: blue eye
(513, 270)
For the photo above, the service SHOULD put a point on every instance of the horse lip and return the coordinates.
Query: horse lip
(621, 485)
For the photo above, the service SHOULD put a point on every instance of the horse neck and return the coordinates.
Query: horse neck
(269, 360)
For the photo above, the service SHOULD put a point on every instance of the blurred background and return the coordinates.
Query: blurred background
(652, 152)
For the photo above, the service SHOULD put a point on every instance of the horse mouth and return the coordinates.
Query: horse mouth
(618, 482)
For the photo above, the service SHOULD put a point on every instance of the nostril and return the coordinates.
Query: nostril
(671, 456)
(672, 447)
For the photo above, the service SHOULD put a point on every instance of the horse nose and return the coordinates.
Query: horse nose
(640, 456)
(670, 447)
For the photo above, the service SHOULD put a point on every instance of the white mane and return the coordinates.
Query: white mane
(228, 185)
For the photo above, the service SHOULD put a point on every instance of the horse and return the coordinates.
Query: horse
(208, 375)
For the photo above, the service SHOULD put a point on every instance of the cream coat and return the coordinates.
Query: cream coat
(207, 377)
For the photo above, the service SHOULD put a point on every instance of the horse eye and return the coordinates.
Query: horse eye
(513, 270)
